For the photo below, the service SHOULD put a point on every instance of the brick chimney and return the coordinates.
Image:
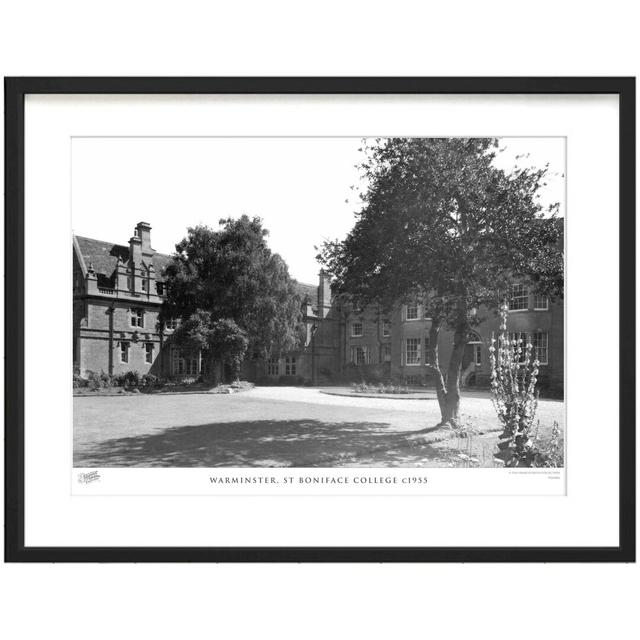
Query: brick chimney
(143, 231)
(135, 248)
(324, 294)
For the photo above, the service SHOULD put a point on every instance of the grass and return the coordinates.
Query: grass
(278, 426)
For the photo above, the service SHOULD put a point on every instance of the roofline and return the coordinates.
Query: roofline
(79, 255)
(115, 244)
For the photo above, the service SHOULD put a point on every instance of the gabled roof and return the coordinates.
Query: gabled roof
(104, 257)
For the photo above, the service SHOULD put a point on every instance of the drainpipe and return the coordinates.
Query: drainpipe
(314, 327)
(111, 311)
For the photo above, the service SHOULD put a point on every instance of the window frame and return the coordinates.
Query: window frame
(290, 366)
(185, 362)
(386, 328)
(366, 354)
(148, 352)
(136, 318)
(522, 296)
(418, 352)
(125, 348)
(477, 354)
(353, 329)
(534, 342)
(272, 363)
(536, 296)
(406, 312)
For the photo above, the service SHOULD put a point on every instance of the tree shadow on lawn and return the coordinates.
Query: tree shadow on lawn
(262, 443)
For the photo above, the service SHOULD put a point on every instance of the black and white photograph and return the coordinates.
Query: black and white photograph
(300, 326)
(318, 302)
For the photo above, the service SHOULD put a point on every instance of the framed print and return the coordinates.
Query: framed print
(320, 319)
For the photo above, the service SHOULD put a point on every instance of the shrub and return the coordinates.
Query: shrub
(549, 454)
(94, 380)
(79, 382)
(149, 380)
(131, 379)
(363, 387)
(514, 395)
(118, 380)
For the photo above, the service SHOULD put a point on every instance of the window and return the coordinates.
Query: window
(290, 366)
(386, 352)
(130, 283)
(477, 354)
(124, 351)
(519, 298)
(412, 354)
(540, 341)
(170, 324)
(356, 330)
(185, 363)
(204, 362)
(520, 337)
(412, 312)
(148, 352)
(540, 302)
(160, 288)
(414, 381)
(273, 367)
(145, 284)
(360, 355)
(386, 329)
(137, 318)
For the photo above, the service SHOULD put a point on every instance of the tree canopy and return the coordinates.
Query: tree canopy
(231, 274)
(441, 222)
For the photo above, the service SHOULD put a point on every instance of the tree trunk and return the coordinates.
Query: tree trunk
(434, 364)
(448, 390)
(451, 414)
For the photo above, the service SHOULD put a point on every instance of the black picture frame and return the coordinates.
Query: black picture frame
(15, 91)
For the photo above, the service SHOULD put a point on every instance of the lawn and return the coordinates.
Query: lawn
(280, 427)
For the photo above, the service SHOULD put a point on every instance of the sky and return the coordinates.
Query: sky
(300, 187)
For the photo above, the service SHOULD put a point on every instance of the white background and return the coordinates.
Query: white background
(53, 517)
(465, 38)
(307, 184)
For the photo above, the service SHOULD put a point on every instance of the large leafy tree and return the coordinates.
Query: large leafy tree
(440, 222)
(228, 287)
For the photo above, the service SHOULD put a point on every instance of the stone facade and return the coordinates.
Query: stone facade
(119, 290)
(117, 295)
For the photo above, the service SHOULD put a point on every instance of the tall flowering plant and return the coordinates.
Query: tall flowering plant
(514, 374)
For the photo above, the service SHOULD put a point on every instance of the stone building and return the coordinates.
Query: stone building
(117, 294)
(344, 345)
(119, 289)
